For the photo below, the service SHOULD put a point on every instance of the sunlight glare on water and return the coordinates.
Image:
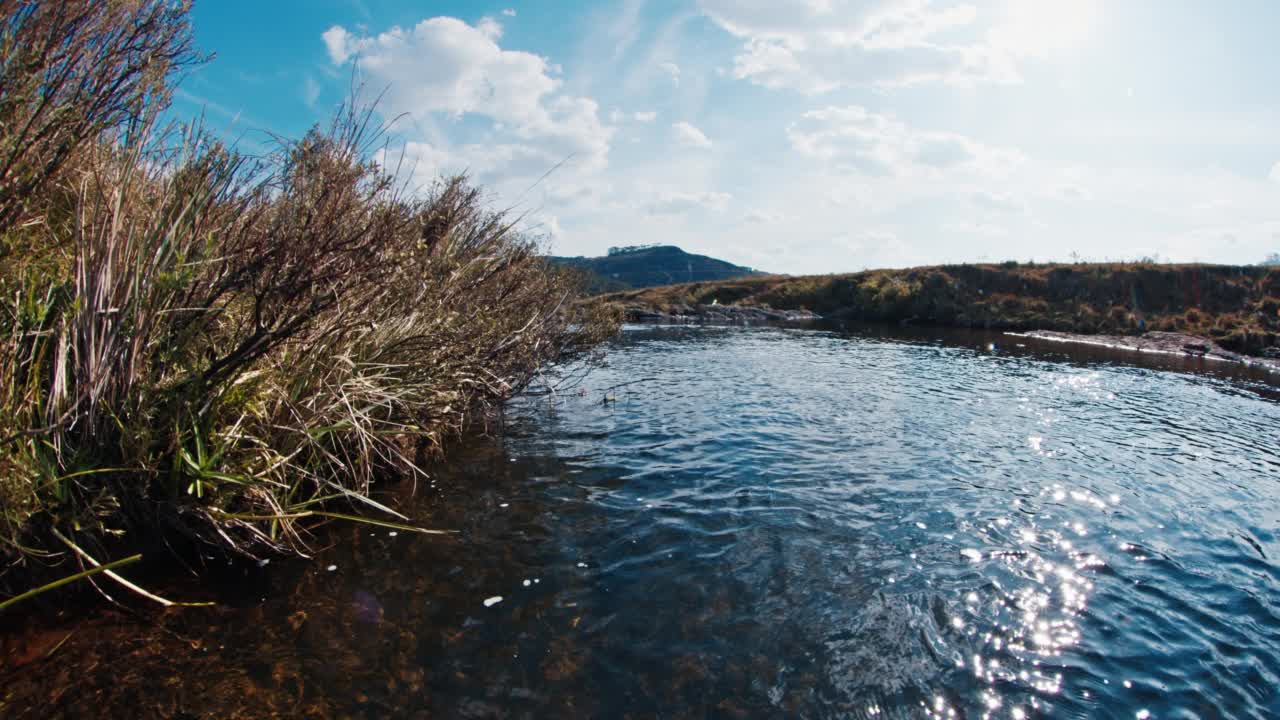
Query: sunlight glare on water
(1003, 550)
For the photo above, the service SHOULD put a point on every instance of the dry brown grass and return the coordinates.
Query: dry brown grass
(204, 350)
(1238, 306)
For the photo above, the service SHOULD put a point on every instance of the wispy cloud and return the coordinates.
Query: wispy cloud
(817, 47)
(689, 136)
(857, 138)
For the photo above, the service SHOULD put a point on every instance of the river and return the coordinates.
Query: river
(768, 522)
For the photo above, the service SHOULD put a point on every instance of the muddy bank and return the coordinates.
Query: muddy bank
(1163, 343)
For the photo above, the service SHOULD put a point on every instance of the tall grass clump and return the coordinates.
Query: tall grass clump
(203, 350)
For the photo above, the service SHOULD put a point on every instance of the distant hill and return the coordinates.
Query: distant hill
(630, 268)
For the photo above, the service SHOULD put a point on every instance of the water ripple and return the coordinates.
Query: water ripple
(785, 524)
(931, 530)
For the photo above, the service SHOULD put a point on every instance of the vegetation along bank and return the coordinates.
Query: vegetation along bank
(206, 351)
(1236, 307)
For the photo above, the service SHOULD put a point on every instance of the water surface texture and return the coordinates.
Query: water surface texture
(775, 523)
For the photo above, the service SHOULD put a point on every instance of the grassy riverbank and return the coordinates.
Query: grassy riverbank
(1238, 307)
(206, 351)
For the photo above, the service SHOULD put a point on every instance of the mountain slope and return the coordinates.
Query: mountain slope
(642, 267)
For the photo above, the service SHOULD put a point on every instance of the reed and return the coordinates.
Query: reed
(207, 351)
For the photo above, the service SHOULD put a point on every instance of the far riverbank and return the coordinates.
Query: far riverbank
(1234, 310)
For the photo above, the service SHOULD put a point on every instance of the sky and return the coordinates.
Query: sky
(796, 136)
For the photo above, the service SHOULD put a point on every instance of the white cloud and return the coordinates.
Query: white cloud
(677, 203)
(940, 176)
(509, 12)
(763, 217)
(469, 72)
(491, 164)
(815, 249)
(490, 28)
(422, 161)
(617, 117)
(672, 70)
(815, 46)
(336, 41)
(442, 65)
(689, 136)
(856, 138)
(546, 226)
(570, 193)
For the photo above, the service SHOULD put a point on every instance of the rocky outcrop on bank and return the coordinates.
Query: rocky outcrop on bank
(717, 314)
(1163, 343)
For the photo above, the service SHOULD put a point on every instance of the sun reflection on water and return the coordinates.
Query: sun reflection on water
(1029, 615)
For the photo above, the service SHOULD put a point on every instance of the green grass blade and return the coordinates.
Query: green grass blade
(69, 579)
(382, 523)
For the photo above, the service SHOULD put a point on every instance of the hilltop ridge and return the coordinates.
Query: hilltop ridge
(644, 266)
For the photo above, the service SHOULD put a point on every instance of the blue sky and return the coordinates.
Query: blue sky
(800, 136)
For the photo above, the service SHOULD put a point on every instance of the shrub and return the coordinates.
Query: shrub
(71, 70)
(218, 347)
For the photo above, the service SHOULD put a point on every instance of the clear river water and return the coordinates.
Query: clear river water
(768, 522)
